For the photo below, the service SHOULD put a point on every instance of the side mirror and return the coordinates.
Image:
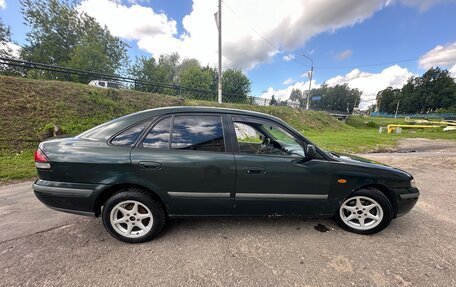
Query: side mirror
(311, 152)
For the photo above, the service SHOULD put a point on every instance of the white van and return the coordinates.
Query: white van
(105, 84)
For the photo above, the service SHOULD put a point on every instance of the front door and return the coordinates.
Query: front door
(185, 158)
(273, 176)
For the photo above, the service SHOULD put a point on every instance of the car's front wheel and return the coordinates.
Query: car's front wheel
(133, 216)
(365, 211)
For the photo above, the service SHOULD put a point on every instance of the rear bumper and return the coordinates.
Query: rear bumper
(406, 199)
(76, 198)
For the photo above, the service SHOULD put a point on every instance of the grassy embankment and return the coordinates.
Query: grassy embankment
(30, 109)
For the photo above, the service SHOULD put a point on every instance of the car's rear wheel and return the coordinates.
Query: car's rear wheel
(133, 216)
(366, 211)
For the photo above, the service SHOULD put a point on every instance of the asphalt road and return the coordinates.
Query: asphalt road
(42, 247)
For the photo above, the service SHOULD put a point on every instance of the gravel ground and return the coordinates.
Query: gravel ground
(418, 249)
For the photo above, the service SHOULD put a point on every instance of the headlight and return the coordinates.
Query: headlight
(412, 183)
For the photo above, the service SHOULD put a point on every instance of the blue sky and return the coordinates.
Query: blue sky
(342, 37)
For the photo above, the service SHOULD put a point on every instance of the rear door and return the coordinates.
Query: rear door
(272, 174)
(186, 158)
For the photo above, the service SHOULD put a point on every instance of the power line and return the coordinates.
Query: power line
(365, 65)
(383, 63)
(261, 36)
(326, 67)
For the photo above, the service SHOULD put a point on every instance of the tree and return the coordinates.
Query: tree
(273, 101)
(236, 84)
(169, 66)
(5, 39)
(196, 78)
(147, 70)
(388, 100)
(435, 90)
(337, 98)
(61, 35)
(185, 65)
(7, 49)
(296, 95)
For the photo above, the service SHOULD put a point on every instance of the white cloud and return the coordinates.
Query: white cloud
(370, 84)
(344, 55)
(284, 94)
(135, 22)
(10, 49)
(2, 4)
(288, 81)
(288, 57)
(440, 56)
(287, 27)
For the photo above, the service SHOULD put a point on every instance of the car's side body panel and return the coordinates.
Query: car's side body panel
(198, 183)
(285, 185)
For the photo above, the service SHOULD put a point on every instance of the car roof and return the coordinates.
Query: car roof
(203, 109)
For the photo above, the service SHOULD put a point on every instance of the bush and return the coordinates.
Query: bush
(372, 124)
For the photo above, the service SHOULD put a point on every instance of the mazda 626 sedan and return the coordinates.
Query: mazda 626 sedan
(140, 169)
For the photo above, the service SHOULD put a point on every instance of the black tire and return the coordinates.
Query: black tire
(372, 194)
(144, 198)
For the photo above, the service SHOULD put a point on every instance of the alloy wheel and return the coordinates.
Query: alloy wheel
(131, 219)
(361, 213)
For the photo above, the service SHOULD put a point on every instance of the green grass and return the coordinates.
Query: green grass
(17, 165)
(354, 140)
(364, 137)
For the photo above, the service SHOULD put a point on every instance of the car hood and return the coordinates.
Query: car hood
(364, 162)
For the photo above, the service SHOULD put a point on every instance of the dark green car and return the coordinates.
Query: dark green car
(140, 169)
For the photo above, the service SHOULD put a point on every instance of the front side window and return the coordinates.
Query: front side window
(266, 139)
(129, 136)
(202, 133)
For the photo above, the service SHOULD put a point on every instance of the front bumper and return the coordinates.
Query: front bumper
(406, 199)
(76, 198)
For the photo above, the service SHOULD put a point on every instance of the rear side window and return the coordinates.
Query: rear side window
(129, 136)
(158, 136)
(203, 133)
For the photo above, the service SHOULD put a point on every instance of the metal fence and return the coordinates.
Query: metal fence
(15, 67)
(429, 116)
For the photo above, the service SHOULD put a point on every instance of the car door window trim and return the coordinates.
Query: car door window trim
(225, 132)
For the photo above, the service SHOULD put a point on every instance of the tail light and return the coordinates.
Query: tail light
(41, 160)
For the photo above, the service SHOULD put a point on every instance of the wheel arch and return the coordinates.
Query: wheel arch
(109, 191)
(386, 191)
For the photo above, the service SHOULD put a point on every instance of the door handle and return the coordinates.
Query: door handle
(255, 170)
(150, 165)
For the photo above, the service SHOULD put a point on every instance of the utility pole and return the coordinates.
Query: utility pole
(377, 108)
(219, 27)
(397, 108)
(310, 81)
(354, 106)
